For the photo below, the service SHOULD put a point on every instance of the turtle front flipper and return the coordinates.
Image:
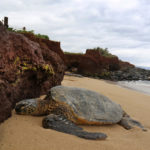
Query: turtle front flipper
(62, 124)
(127, 122)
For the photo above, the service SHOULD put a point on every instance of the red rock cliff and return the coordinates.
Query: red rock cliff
(93, 63)
(29, 67)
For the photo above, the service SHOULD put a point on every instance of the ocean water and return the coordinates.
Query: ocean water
(140, 86)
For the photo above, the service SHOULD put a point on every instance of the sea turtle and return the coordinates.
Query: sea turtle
(67, 107)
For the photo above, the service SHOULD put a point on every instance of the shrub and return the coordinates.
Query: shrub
(103, 52)
(41, 36)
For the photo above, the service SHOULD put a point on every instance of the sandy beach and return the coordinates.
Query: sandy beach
(26, 132)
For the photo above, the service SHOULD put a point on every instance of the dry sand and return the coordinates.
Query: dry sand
(26, 132)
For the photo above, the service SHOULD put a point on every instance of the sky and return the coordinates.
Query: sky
(122, 26)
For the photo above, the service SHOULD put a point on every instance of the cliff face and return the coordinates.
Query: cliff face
(29, 67)
(108, 63)
(82, 64)
(93, 63)
(47, 44)
(52, 54)
(101, 64)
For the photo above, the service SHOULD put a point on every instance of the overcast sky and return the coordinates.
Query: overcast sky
(122, 26)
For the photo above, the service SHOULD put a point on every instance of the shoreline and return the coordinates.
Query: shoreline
(132, 86)
(26, 132)
(119, 83)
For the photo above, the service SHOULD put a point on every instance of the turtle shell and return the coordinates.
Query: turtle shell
(88, 105)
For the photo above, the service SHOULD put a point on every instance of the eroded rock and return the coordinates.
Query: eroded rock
(28, 68)
(94, 64)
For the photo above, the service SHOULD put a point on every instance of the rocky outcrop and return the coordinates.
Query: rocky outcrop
(130, 74)
(81, 64)
(94, 64)
(28, 68)
(108, 63)
(46, 44)
(6, 100)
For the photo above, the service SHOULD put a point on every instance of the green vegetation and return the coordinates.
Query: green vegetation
(73, 53)
(25, 66)
(103, 51)
(41, 36)
(105, 75)
(11, 29)
(16, 60)
(48, 69)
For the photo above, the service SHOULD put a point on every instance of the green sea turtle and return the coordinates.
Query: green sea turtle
(67, 107)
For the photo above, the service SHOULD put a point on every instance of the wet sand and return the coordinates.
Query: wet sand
(140, 86)
(26, 132)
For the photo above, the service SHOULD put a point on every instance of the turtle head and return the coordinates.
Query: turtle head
(27, 107)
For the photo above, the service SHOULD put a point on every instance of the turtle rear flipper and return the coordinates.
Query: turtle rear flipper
(91, 135)
(62, 124)
(127, 122)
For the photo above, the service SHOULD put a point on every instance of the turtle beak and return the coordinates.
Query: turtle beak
(18, 108)
(26, 107)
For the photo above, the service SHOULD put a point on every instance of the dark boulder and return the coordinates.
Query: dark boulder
(130, 74)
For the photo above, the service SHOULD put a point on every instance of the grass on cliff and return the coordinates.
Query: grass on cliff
(71, 53)
(41, 36)
(104, 52)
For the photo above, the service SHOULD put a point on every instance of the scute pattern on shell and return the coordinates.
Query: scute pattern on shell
(88, 105)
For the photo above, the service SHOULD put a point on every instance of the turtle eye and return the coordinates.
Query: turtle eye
(19, 108)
